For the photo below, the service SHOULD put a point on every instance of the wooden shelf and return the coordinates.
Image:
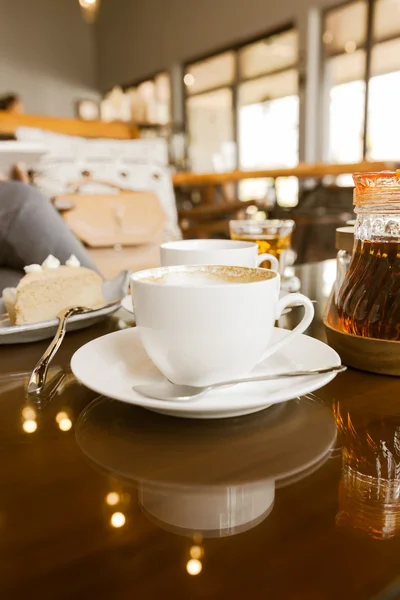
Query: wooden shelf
(9, 123)
(302, 171)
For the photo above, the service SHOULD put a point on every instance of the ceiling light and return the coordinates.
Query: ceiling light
(188, 79)
(89, 8)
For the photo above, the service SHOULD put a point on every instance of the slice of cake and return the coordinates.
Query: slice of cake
(49, 288)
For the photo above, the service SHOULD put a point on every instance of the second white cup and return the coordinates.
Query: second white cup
(233, 253)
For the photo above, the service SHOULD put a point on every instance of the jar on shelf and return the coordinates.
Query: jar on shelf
(368, 302)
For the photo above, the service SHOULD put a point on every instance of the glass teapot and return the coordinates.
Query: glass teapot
(368, 302)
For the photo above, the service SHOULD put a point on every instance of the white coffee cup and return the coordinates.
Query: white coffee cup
(214, 252)
(199, 333)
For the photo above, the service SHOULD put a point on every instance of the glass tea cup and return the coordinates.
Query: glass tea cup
(273, 236)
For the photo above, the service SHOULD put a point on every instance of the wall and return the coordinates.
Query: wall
(47, 54)
(139, 37)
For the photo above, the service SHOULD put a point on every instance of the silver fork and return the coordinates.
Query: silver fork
(38, 377)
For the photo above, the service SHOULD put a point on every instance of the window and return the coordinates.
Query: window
(247, 99)
(210, 73)
(275, 53)
(383, 137)
(386, 19)
(210, 127)
(210, 113)
(344, 39)
(268, 117)
(346, 28)
(345, 78)
(360, 72)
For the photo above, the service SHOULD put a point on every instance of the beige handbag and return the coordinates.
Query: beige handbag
(121, 231)
(108, 220)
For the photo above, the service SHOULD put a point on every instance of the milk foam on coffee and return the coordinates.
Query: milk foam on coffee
(210, 276)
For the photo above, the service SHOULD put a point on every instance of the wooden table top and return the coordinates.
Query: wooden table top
(268, 506)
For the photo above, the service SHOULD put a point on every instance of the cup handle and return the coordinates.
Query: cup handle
(285, 302)
(272, 259)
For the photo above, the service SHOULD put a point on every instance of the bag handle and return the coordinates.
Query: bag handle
(76, 185)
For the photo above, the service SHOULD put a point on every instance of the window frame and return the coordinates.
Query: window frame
(368, 46)
(238, 80)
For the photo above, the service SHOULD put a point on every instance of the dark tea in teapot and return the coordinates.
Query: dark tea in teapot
(368, 302)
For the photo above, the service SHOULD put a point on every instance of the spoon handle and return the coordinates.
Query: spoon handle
(336, 369)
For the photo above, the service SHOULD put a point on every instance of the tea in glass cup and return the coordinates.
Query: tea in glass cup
(272, 236)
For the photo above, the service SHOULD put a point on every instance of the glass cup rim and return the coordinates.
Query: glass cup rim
(142, 277)
(264, 223)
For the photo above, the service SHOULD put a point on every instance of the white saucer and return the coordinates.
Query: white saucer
(112, 364)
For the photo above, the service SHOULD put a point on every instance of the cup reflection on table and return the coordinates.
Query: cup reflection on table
(215, 511)
(369, 489)
(271, 236)
(187, 479)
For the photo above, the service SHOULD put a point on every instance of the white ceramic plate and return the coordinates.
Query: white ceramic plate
(34, 332)
(112, 364)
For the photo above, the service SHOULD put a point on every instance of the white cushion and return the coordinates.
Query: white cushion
(133, 164)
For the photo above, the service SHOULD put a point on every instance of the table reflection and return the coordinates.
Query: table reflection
(215, 511)
(369, 490)
(36, 416)
(212, 479)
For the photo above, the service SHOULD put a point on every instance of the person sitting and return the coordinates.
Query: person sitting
(11, 103)
(30, 230)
